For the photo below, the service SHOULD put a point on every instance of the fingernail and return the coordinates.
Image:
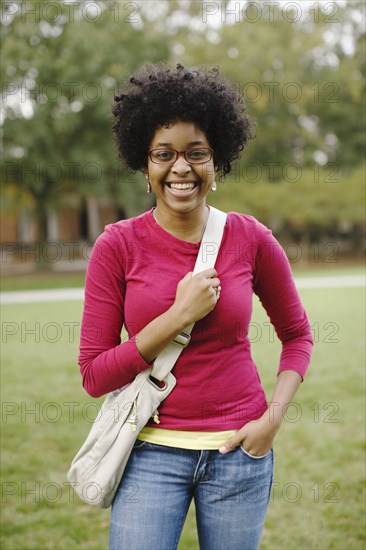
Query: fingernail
(223, 449)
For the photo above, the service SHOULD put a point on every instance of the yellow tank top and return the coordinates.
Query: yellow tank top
(198, 441)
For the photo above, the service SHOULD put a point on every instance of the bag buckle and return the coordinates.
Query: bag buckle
(182, 339)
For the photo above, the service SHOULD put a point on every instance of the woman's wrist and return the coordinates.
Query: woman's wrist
(179, 318)
(274, 416)
(287, 383)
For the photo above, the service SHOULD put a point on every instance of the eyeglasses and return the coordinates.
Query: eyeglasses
(198, 155)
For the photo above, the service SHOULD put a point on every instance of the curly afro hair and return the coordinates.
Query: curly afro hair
(156, 96)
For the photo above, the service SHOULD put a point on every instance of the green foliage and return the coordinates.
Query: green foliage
(303, 90)
(313, 196)
(58, 131)
(303, 79)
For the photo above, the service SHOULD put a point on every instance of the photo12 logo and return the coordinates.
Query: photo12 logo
(54, 13)
(253, 12)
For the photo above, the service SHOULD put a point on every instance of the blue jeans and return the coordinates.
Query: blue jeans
(231, 495)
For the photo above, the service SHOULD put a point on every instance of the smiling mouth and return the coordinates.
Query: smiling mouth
(182, 187)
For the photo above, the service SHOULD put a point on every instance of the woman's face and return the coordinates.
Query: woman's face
(180, 187)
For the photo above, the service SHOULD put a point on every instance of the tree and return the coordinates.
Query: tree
(300, 70)
(303, 79)
(63, 67)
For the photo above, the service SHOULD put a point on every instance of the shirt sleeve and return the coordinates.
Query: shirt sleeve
(105, 362)
(275, 287)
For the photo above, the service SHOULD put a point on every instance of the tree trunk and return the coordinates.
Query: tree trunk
(94, 229)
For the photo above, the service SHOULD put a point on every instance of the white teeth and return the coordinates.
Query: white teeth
(182, 186)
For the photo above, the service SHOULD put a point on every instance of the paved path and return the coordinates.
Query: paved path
(66, 294)
(33, 296)
(338, 281)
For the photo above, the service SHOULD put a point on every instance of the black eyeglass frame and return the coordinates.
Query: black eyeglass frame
(179, 153)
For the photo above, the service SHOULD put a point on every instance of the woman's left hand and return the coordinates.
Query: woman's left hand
(256, 437)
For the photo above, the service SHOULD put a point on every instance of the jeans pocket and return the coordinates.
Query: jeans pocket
(254, 457)
(139, 444)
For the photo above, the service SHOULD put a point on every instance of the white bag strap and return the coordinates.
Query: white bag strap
(206, 258)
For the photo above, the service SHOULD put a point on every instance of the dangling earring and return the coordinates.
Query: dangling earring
(214, 188)
(148, 184)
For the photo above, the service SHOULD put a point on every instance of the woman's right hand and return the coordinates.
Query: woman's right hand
(196, 295)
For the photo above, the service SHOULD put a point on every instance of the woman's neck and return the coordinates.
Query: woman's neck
(189, 226)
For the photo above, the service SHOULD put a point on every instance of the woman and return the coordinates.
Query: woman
(214, 441)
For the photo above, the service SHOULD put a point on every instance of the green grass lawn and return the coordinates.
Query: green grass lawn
(318, 497)
(48, 279)
(43, 279)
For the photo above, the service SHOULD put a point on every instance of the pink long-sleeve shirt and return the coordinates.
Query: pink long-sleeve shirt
(132, 278)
